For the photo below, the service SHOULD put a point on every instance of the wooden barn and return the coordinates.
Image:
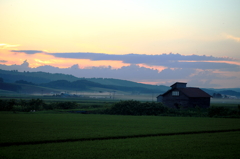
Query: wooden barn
(180, 96)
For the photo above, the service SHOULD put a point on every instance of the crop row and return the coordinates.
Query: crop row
(31, 127)
(197, 146)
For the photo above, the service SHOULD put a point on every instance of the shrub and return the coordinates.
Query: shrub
(222, 112)
(50, 106)
(132, 107)
(124, 107)
(7, 105)
(33, 104)
(66, 105)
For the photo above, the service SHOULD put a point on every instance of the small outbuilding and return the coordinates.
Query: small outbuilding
(180, 96)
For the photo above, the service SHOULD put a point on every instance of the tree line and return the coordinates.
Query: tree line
(34, 104)
(129, 107)
(132, 107)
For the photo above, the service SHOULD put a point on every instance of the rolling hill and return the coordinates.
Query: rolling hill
(34, 77)
(69, 82)
(40, 82)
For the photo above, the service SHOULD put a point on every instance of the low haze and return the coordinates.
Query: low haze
(154, 42)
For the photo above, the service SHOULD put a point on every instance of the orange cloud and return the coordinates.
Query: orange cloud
(237, 39)
(41, 59)
(227, 73)
(84, 63)
(159, 68)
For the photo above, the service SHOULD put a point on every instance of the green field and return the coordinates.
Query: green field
(59, 134)
(207, 146)
(51, 135)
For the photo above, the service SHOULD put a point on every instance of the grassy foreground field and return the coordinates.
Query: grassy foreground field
(32, 135)
(44, 127)
(198, 146)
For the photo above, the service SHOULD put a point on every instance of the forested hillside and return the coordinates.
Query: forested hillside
(34, 77)
(25, 81)
(69, 82)
(88, 85)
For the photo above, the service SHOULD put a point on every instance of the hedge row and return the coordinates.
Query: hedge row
(132, 107)
(129, 107)
(33, 104)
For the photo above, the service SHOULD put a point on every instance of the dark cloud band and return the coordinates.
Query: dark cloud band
(3, 61)
(167, 60)
(28, 51)
(138, 58)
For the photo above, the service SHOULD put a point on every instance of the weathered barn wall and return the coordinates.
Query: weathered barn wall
(182, 101)
(175, 101)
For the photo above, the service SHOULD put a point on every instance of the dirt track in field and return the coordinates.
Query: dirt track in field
(114, 137)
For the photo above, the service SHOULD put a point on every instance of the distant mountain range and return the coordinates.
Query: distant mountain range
(42, 82)
(70, 83)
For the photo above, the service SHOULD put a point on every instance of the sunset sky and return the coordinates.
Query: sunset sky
(148, 41)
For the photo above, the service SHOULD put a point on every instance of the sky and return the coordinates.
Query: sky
(147, 41)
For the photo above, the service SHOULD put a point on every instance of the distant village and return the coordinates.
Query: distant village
(218, 95)
(100, 94)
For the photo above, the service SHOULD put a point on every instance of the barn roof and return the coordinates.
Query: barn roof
(178, 83)
(193, 92)
(190, 92)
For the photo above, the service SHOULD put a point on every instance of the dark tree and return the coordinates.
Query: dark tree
(217, 95)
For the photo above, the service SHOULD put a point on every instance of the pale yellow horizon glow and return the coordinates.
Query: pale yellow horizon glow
(122, 27)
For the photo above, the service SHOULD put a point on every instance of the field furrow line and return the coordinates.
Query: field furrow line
(113, 137)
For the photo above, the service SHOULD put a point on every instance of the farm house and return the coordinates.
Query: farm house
(180, 96)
